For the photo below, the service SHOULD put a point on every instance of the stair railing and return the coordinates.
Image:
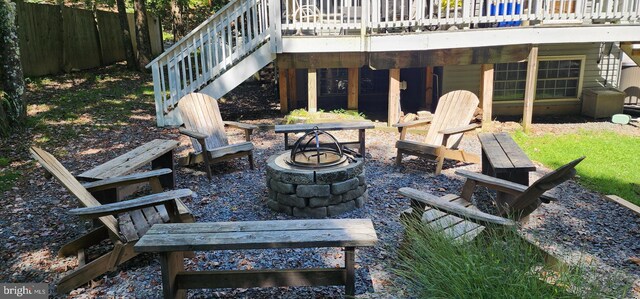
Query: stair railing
(207, 51)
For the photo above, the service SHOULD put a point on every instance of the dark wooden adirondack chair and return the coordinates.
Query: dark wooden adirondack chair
(460, 220)
(134, 218)
(203, 123)
(450, 121)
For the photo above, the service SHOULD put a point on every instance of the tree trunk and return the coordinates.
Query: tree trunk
(142, 34)
(13, 109)
(177, 20)
(126, 35)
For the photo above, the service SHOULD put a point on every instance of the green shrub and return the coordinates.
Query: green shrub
(303, 116)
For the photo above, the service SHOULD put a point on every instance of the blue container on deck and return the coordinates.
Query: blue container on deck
(501, 11)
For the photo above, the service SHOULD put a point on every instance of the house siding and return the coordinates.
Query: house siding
(597, 72)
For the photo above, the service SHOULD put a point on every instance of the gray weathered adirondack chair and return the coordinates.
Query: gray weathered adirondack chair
(203, 123)
(460, 220)
(134, 218)
(450, 121)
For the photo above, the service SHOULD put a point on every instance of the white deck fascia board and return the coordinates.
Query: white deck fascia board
(311, 44)
(504, 36)
(463, 39)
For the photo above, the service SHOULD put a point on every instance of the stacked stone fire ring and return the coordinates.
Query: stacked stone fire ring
(315, 192)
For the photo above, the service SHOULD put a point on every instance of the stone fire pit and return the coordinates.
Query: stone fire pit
(315, 193)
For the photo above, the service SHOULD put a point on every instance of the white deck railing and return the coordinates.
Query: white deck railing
(207, 51)
(337, 16)
(242, 26)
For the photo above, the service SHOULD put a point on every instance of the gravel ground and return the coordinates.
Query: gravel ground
(582, 224)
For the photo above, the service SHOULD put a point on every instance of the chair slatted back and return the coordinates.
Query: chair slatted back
(455, 109)
(56, 169)
(529, 200)
(200, 113)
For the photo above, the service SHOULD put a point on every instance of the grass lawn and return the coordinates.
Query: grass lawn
(70, 106)
(612, 165)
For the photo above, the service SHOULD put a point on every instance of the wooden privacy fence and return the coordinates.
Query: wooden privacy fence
(55, 39)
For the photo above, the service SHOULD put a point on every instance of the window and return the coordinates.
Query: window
(557, 79)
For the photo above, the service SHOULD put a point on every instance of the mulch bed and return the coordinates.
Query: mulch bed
(35, 223)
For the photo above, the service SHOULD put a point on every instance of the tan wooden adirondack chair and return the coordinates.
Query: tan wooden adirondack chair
(460, 220)
(203, 123)
(134, 218)
(450, 121)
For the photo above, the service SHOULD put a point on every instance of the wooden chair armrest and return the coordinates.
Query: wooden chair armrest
(240, 125)
(130, 205)
(500, 184)
(193, 134)
(125, 180)
(457, 130)
(404, 127)
(248, 129)
(413, 123)
(453, 208)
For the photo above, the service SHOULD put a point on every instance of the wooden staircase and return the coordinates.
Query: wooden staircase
(632, 49)
(214, 58)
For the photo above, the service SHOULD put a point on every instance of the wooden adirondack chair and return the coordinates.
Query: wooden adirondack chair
(134, 218)
(450, 121)
(460, 220)
(203, 123)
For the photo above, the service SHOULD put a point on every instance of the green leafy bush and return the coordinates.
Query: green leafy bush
(303, 116)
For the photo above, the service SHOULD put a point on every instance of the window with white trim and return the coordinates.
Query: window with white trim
(558, 78)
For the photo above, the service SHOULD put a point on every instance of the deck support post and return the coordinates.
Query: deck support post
(486, 94)
(393, 112)
(292, 94)
(312, 98)
(530, 88)
(282, 89)
(428, 85)
(352, 89)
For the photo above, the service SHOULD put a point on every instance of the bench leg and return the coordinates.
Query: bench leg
(361, 139)
(168, 181)
(349, 261)
(516, 176)
(171, 263)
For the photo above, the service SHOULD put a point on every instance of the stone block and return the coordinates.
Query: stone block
(340, 208)
(310, 212)
(279, 208)
(353, 194)
(361, 179)
(335, 199)
(273, 195)
(297, 178)
(343, 187)
(360, 201)
(315, 202)
(281, 187)
(313, 191)
(291, 200)
(331, 177)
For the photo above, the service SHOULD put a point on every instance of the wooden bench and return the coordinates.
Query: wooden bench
(504, 159)
(158, 152)
(361, 126)
(171, 239)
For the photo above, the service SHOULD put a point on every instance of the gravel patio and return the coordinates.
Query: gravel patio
(582, 224)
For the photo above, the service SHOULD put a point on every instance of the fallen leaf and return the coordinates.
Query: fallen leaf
(635, 260)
